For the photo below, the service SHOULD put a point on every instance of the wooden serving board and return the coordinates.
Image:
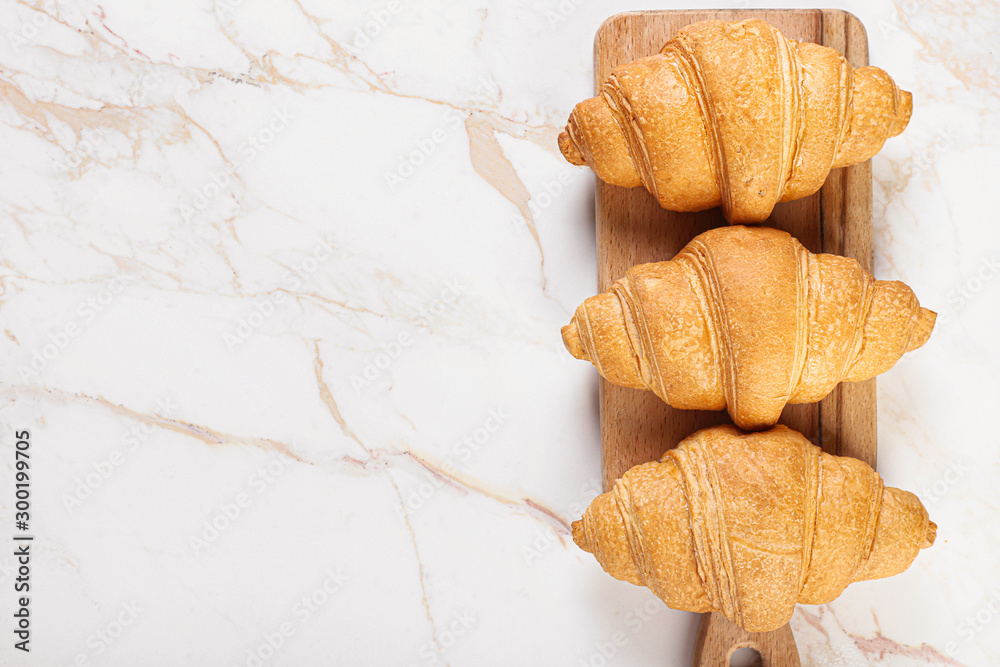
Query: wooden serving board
(636, 426)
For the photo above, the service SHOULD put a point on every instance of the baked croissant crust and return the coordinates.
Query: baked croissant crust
(746, 319)
(748, 524)
(734, 114)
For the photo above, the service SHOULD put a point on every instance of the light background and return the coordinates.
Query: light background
(203, 308)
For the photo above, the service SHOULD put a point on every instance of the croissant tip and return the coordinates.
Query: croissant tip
(903, 112)
(573, 342)
(921, 329)
(569, 149)
(929, 536)
(580, 536)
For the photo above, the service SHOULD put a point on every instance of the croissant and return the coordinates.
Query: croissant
(747, 319)
(734, 114)
(748, 524)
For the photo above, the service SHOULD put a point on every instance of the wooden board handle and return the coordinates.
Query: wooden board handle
(719, 638)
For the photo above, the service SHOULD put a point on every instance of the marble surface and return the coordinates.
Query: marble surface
(281, 285)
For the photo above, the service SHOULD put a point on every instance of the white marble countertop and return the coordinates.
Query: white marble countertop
(281, 285)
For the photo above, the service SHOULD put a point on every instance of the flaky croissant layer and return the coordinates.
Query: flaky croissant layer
(749, 524)
(733, 114)
(746, 319)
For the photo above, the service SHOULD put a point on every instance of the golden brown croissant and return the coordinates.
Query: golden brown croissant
(734, 114)
(747, 319)
(748, 524)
